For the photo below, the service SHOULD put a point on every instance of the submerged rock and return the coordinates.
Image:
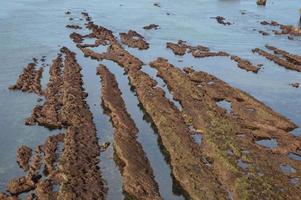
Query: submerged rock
(151, 26)
(261, 2)
(295, 85)
(221, 20)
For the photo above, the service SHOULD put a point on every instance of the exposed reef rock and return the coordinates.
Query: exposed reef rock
(221, 20)
(72, 26)
(45, 190)
(79, 160)
(115, 51)
(295, 85)
(198, 51)
(29, 80)
(264, 33)
(48, 114)
(138, 179)
(183, 152)
(295, 59)
(261, 2)
(76, 169)
(134, 40)
(181, 48)
(283, 29)
(151, 26)
(20, 185)
(288, 61)
(50, 149)
(24, 154)
(260, 177)
(245, 64)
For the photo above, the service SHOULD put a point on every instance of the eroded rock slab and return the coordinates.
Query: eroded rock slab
(295, 85)
(261, 2)
(151, 26)
(29, 80)
(115, 52)
(245, 64)
(138, 178)
(76, 170)
(81, 177)
(24, 154)
(73, 26)
(188, 168)
(20, 185)
(283, 29)
(222, 20)
(229, 159)
(181, 48)
(48, 114)
(281, 62)
(134, 40)
(44, 190)
(4, 196)
(295, 59)
(228, 139)
(188, 164)
(50, 152)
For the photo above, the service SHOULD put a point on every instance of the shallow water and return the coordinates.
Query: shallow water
(33, 28)
(269, 143)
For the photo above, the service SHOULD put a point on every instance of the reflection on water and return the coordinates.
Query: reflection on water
(225, 105)
(35, 28)
(269, 143)
(153, 74)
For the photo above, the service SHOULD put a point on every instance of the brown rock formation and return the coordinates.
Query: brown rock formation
(151, 26)
(81, 178)
(50, 148)
(198, 51)
(283, 29)
(20, 185)
(48, 114)
(45, 191)
(24, 154)
(134, 40)
(295, 85)
(191, 172)
(29, 80)
(188, 164)
(235, 133)
(4, 196)
(277, 60)
(221, 20)
(245, 64)
(264, 33)
(138, 179)
(295, 59)
(178, 49)
(261, 2)
(229, 159)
